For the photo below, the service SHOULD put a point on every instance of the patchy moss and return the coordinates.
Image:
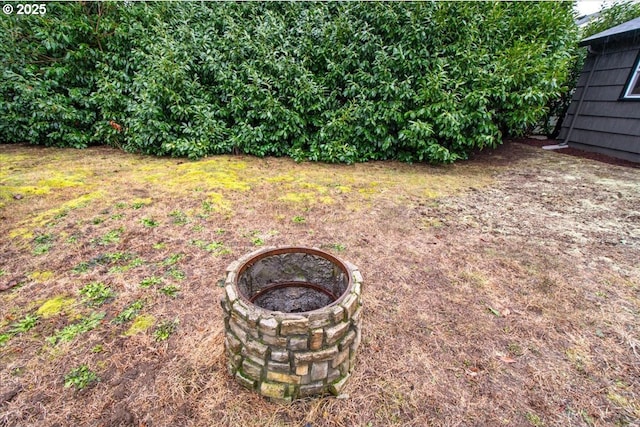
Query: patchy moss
(141, 202)
(214, 173)
(140, 324)
(579, 356)
(76, 203)
(306, 197)
(224, 163)
(21, 233)
(12, 158)
(81, 201)
(370, 190)
(7, 192)
(41, 276)
(26, 227)
(617, 399)
(326, 200)
(218, 202)
(432, 222)
(199, 178)
(29, 181)
(280, 178)
(62, 180)
(320, 189)
(55, 306)
(631, 406)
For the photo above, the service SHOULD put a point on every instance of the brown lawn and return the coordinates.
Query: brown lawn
(504, 290)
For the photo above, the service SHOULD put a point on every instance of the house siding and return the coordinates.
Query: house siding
(605, 123)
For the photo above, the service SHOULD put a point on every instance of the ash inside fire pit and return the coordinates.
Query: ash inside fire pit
(293, 297)
(292, 282)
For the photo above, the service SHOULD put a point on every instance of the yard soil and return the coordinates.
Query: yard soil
(503, 290)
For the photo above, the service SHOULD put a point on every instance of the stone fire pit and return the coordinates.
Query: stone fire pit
(292, 321)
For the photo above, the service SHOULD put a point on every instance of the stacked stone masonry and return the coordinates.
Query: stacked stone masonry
(284, 356)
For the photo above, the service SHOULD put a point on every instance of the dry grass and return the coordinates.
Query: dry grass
(500, 291)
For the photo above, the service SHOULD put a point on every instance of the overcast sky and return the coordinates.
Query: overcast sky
(586, 7)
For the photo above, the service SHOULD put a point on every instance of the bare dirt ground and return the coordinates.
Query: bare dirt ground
(504, 290)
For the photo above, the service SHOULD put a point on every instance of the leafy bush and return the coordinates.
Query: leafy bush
(334, 82)
(48, 76)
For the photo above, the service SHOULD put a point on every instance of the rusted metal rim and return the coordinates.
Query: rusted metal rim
(295, 249)
(283, 285)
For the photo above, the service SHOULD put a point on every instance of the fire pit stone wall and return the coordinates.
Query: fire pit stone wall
(284, 356)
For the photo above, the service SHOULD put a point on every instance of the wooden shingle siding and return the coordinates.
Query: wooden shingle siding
(600, 93)
(615, 77)
(605, 144)
(614, 125)
(613, 59)
(604, 139)
(606, 109)
(605, 123)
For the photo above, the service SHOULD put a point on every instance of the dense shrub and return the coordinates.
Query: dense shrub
(336, 82)
(48, 77)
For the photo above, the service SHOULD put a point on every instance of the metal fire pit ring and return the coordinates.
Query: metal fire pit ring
(292, 321)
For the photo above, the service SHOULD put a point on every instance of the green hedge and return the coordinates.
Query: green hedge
(335, 82)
